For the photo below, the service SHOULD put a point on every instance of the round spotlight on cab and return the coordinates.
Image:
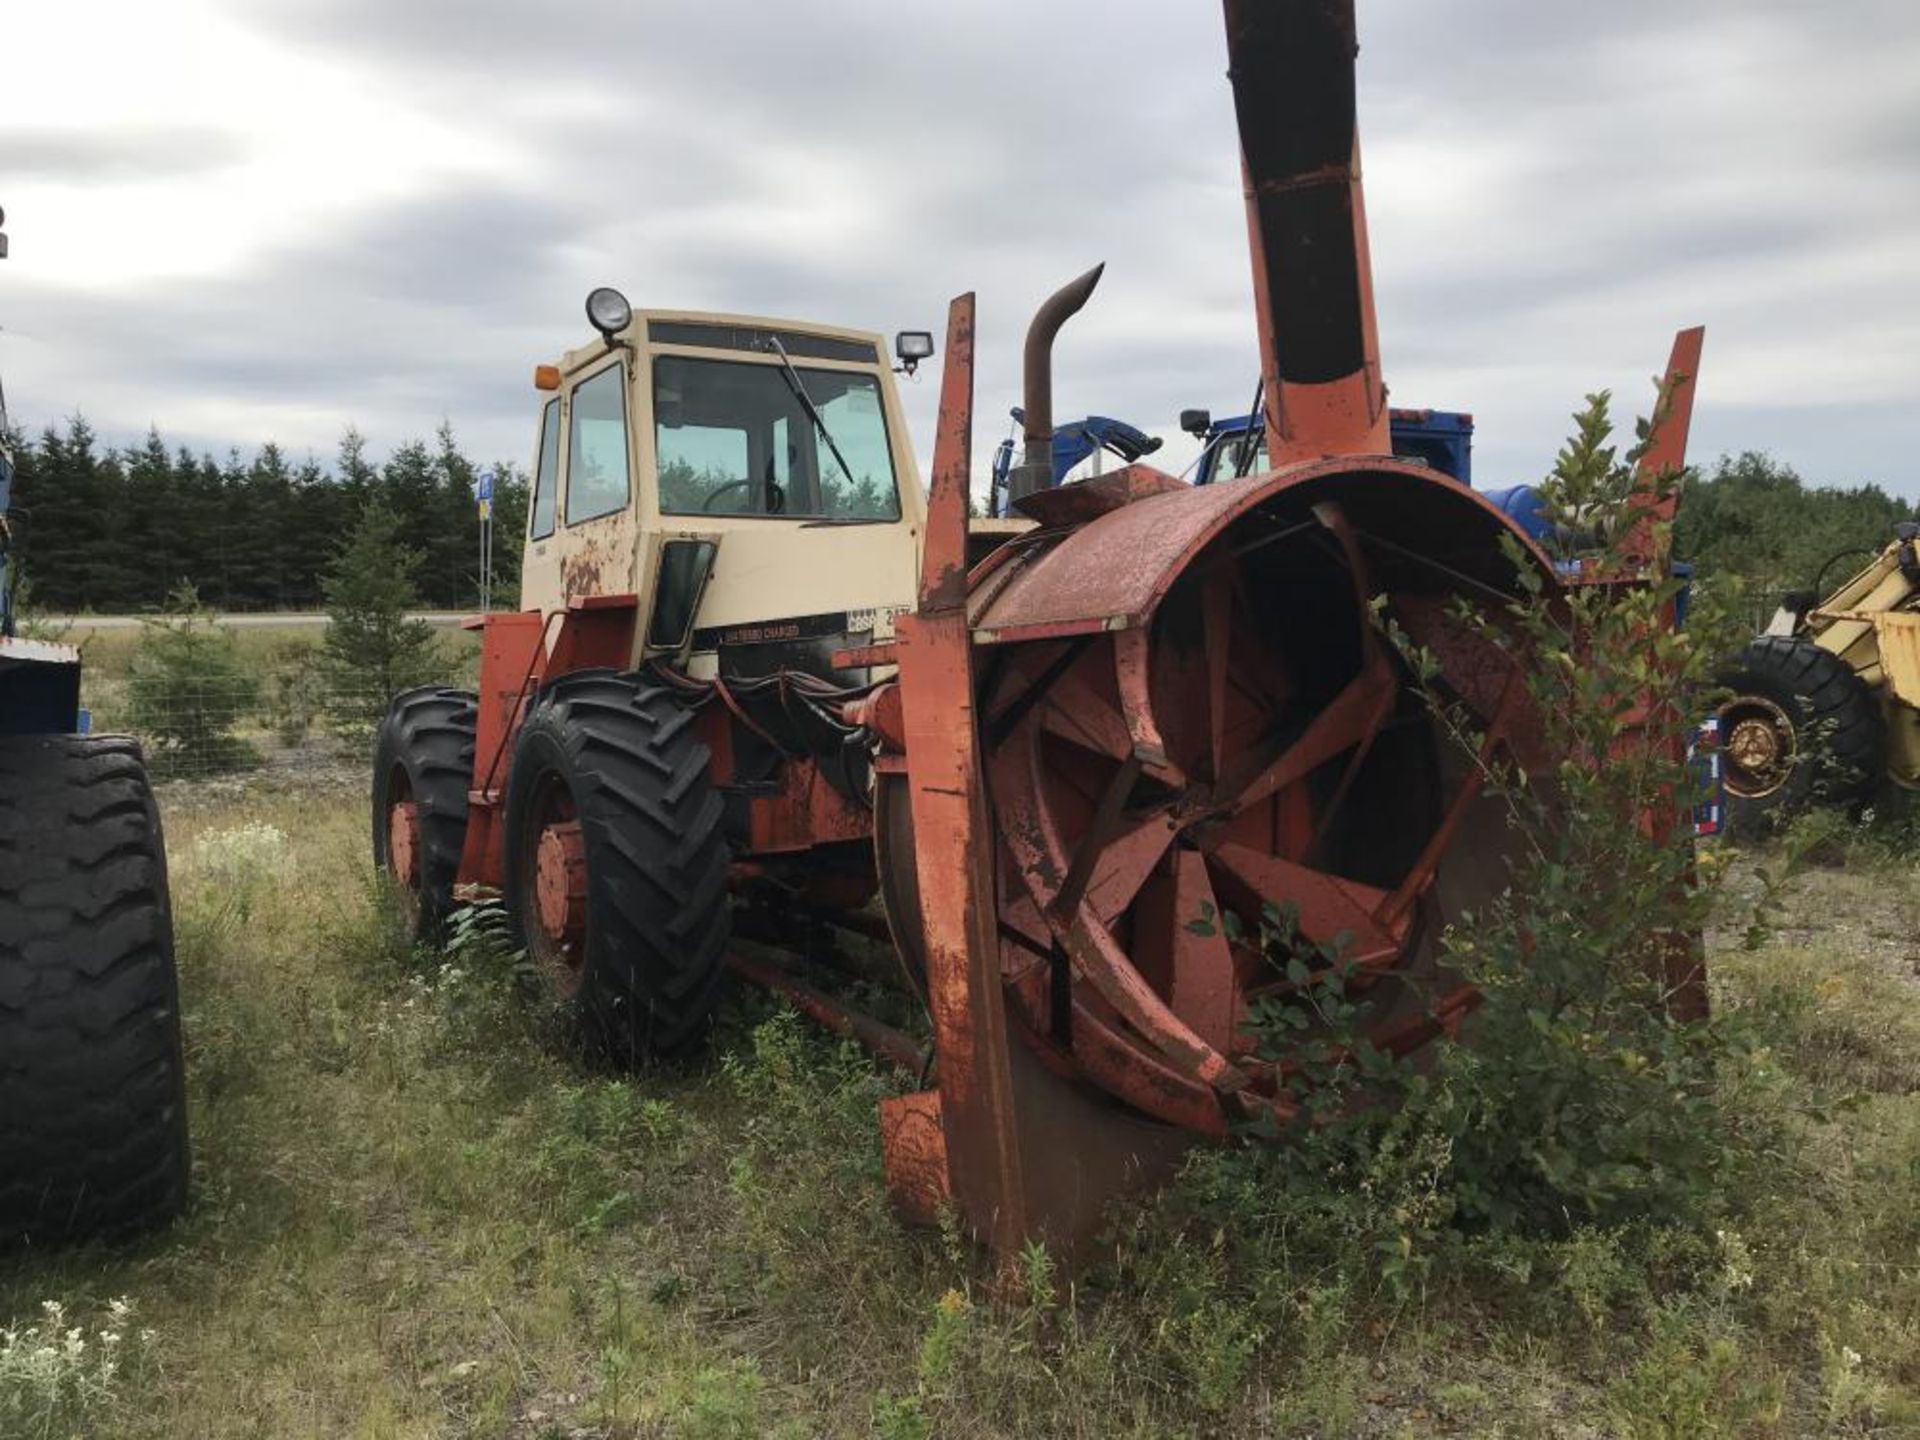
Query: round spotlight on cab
(608, 311)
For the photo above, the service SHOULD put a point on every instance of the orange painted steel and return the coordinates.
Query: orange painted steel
(1144, 763)
(953, 863)
(1680, 957)
(806, 811)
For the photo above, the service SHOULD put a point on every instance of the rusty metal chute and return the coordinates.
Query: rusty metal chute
(1291, 68)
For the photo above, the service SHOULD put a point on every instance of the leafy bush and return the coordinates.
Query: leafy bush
(293, 690)
(187, 690)
(1581, 1144)
(1590, 1090)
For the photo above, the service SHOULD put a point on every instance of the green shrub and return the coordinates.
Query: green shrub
(293, 690)
(187, 690)
(1571, 1157)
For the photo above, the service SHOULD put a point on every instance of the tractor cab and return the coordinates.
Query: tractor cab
(744, 485)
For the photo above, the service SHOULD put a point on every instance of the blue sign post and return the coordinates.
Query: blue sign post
(483, 498)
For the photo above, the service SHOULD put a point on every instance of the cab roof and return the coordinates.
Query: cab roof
(742, 334)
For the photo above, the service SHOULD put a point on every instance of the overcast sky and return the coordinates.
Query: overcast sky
(251, 220)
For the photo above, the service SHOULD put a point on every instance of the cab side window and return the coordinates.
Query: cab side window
(546, 474)
(597, 447)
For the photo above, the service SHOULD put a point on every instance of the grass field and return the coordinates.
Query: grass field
(416, 1217)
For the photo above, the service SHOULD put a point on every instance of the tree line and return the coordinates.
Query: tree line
(104, 530)
(1751, 518)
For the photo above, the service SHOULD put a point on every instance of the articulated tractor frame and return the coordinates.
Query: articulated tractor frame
(767, 681)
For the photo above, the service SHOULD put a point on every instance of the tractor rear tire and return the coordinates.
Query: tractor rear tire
(616, 863)
(1800, 729)
(422, 770)
(93, 1114)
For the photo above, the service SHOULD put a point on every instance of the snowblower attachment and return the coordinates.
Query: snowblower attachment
(1118, 742)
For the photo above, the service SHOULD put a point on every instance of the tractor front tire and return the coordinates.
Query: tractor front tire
(1800, 728)
(422, 770)
(93, 1114)
(616, 864)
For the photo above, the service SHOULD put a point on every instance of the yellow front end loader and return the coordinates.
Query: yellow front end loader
(1825, 707)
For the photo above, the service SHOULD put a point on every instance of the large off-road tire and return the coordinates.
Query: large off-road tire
(1800, 728)
(422, 770)
(93, 1113)
(616, 865)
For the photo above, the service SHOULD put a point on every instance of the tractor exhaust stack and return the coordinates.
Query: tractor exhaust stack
(1035, 472)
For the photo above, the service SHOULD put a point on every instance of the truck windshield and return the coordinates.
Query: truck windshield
(734, 439)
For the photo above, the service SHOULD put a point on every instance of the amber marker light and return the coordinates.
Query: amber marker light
(546, 377)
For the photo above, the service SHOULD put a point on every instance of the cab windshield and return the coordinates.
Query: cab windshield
(734, 439)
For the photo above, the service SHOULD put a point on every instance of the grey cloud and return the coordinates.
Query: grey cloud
(1602, 177)
(150, 153)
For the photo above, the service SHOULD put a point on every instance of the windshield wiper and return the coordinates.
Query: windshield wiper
(806, 403)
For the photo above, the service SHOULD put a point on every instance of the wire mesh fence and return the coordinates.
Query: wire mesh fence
(241, 726)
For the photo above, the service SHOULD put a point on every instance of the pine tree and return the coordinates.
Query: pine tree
(373, 651)
(187, 690)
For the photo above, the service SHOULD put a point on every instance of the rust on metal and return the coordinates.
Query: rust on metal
(1035, 472)
(1648, 541)
(1080, 501)
(943, 554)
(913, 1156)
(806, 811)
(1292, 71)
(864, 657)
(598, 565)
(1110, 573)
(952, 860)
(1150, 773)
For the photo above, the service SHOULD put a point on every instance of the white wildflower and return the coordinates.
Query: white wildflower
(246, 853)
(1736, 1270)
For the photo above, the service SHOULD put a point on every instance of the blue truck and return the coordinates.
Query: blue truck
(1443, 439)
(1236, 445)
(93, 1130)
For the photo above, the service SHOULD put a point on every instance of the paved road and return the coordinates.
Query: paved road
(246, 621)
